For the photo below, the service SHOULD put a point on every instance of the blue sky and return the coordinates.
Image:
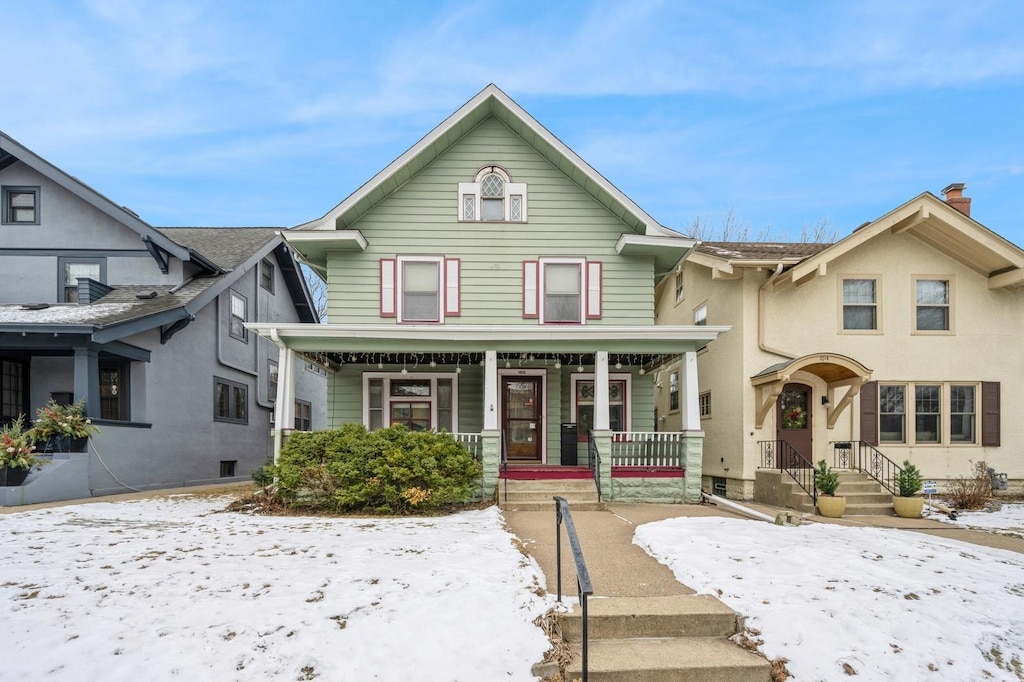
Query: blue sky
(784, 113)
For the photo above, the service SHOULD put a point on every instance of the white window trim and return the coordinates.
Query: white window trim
(950, 305)
(543, 374)
(542, 291)
(232, 295)
(628, 378)
(400, 287)
(878, 307)
(700, 404)
(680, 287)
(697, 310)
(473, 189)
(945, 415)
(673, 383)
(386, 396)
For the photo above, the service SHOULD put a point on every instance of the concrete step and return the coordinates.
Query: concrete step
(686, 659)
(556, 486)
(865, 498)
(684, 615)
(549, 506)
(858, 486)
(548, 495)
(868, 509)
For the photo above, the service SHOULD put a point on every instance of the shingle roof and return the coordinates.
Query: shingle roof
(761, 250)
(227, 247)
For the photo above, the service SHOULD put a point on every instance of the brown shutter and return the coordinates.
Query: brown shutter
(869, 413)
(990, 413)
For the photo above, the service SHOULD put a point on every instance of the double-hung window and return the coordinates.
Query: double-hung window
(932, 305)
(303, 415)
(562, 290)
(236, 324)
(942, 413)
(860, 304)
(420, 402)
(962, 413)
(420, 289)
(584, 389)
(73, 269)
(21, 205)
(267, 275)
(673, 391)
(892, 414)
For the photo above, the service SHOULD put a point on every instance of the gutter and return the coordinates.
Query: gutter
(761, 318)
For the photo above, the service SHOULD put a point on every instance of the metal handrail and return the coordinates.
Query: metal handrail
(504, 461)
(860, 456)
(582, 575)
(594, 461)
(778, 454)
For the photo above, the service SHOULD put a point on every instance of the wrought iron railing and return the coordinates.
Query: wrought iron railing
(647, 448)
(504, 461)
(594, 461)
(778, 454)
(857, 455)
(585, 589)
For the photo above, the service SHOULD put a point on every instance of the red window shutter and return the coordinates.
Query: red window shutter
(387, 287)
(452, 287)
(531, 277)
(990, 413)
(594, 290)
(869, 413)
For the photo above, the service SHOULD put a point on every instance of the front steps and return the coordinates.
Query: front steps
(864, 495)
(661, 639)
(538, 495)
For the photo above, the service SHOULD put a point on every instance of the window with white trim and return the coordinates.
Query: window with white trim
(73, 269)
(942, 413)
(932, 305)
(238, 313)
(700, 314)
(272, 380)
(704, 404)
(420, 289)
(680, 292)
(673, 391)
(493, 197)
(21, 206)
(562, 290)
(583, 390)
(422, 402)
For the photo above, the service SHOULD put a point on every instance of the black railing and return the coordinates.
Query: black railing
(778, 454)
(857, 455)
(504, 461)
(582, 575)
(594, 461)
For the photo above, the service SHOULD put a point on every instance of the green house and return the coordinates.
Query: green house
(490, 283)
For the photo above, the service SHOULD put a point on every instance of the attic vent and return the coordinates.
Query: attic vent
(146, 296)
(35, 306)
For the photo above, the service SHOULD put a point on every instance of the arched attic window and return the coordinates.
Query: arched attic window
(492, 196)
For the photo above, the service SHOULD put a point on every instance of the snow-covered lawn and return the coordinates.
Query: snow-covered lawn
(1007, 520)
(165, 589)
(890, 604)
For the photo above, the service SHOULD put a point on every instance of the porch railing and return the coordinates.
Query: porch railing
(778, 454)
(594, 461)
(585, 589)
(859, 456)
(643, 448)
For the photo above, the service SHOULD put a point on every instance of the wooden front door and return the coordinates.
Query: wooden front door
(794, 422)
(522, 418)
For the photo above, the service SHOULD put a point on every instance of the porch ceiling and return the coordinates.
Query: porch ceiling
(660, 339)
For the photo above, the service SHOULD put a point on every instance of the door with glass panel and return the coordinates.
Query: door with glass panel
(522, 421)
(794, 424)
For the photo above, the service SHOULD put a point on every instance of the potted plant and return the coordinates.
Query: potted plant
(17, 453)
(908, 483)
(827, 481)
(65, 428)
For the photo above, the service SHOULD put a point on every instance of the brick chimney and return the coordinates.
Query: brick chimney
(955, 197)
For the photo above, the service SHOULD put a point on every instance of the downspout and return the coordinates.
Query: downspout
(761, 318)
(278, 421)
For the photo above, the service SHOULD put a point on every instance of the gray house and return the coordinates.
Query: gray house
(148, 326)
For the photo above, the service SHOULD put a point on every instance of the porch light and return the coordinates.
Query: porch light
(618, 365)
(825, 400)
(580, 369)
(433, 364)
(558, 364)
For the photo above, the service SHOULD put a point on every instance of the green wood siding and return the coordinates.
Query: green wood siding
(420, 218)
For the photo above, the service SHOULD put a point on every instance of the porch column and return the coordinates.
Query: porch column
(601, 420)
(490, 436)
(284, 401)
(691, 393)
(491, 390)
(87, 379)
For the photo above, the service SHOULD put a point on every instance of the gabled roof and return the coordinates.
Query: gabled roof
(490, 101)
(131, 309)
(11, 152)
(943, 228)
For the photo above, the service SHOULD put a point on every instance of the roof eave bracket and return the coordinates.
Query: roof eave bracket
(158, 253)
(167, 331)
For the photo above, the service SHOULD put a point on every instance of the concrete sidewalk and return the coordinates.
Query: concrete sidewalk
(237, 489)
